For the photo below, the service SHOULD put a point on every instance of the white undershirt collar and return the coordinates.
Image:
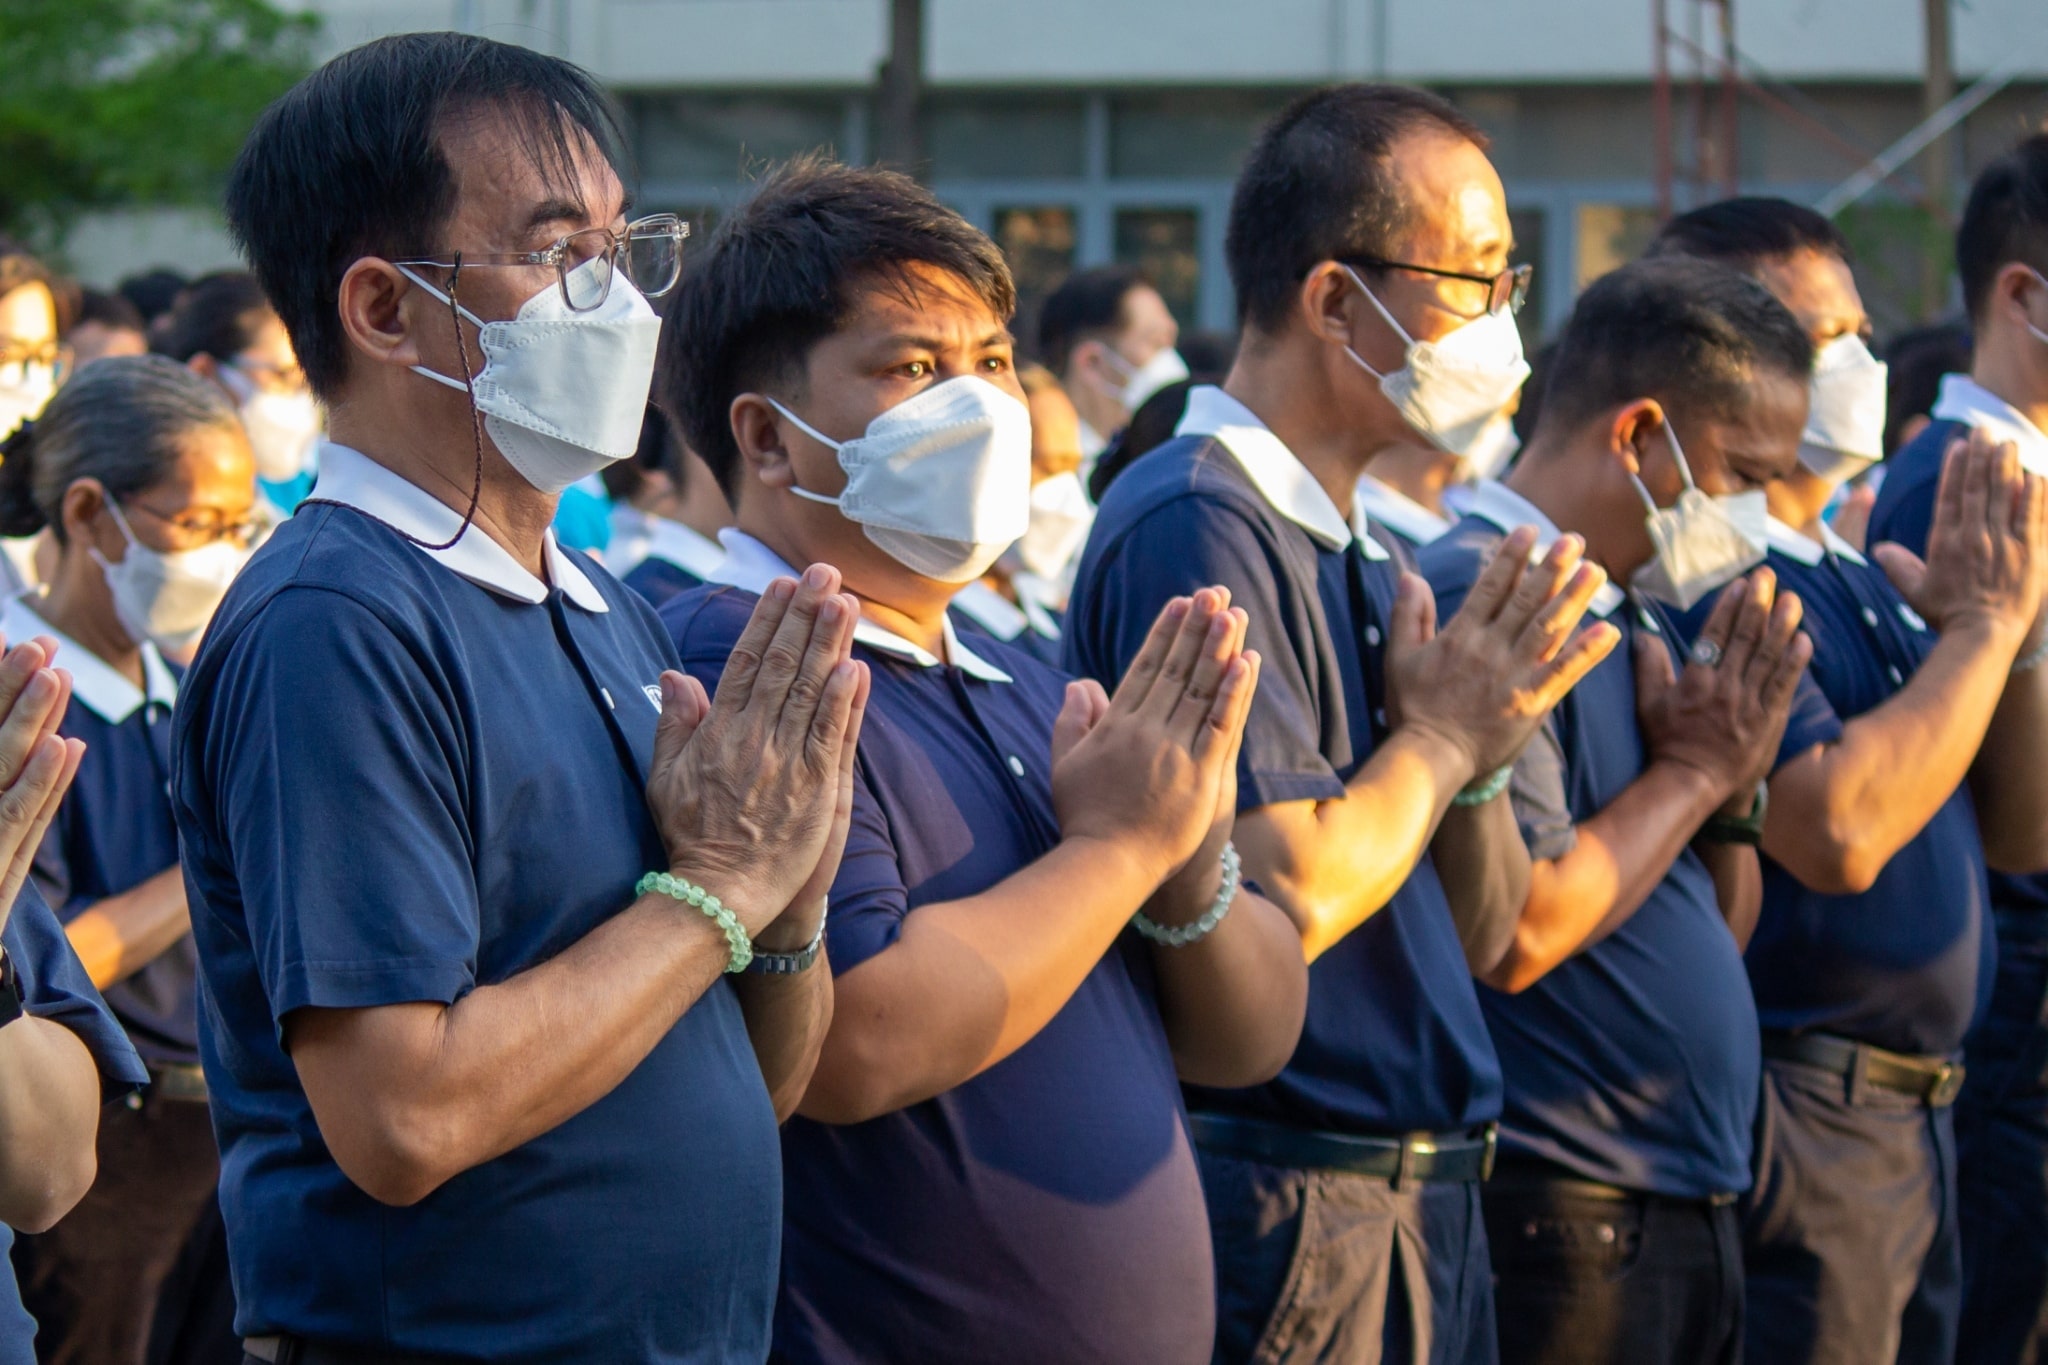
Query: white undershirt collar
(1964, 400)
(1389, 506)
(1277, 472)
(1506, 509)
(102, 687)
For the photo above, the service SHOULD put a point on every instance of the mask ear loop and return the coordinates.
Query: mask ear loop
(476, 433)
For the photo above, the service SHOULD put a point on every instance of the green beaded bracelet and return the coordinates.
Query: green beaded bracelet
(1483, 791)
(689, 894)
(1181, 936)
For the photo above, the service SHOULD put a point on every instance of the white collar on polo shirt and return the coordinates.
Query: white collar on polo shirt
(1279, 475)
(752, 566)
(1389, 506)
(1964, 400)
(1507, 509)
(1798, 547)
(355, 480)
(683, 546)
(94, 681)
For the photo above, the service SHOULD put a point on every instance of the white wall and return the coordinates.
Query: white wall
(104, 247)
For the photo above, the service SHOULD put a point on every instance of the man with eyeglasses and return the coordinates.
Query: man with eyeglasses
(1343, 1195)
(508, 939)
(31, 362)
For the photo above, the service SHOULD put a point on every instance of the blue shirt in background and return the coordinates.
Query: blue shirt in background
(54, 986)
(1636, 1061)
(114, 830)
(401, 775)
(1048, 1209)
(1394, 1041)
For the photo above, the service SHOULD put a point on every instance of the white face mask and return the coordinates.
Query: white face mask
(1845, 420)
(282, 427)
(1060, 517)
(1490, 453)
(168, 598)
(941, 481)
(563, 393)
(26, 387)
(1142, 381)
(1451, 388)
(1703, 543)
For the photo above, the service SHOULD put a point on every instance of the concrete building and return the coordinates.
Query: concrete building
(1084, 131)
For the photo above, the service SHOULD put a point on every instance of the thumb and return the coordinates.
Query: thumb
(1906, 570)
(683, 708)
(1084, 705)
(1654, 674)
(1414, 623)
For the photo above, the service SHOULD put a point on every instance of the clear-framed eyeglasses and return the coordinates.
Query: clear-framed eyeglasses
(648, 251)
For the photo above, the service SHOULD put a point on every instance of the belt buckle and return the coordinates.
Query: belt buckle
(1492, 1149)
(1948, 1083)
(1412, 1146)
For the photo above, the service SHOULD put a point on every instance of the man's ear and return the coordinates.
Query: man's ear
(759, 438)
(1629, 430)
(375, 315)
(1325, 302)
(2009, 290)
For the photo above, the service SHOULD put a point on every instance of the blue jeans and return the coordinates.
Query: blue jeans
(1340, 1269)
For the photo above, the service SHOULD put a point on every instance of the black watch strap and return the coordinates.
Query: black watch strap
(1740, 829)
(10, 990)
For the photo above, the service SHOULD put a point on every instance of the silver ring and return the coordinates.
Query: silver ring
(1706, 652)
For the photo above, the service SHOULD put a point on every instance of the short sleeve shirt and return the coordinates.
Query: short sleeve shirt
(1904, 515)
(1906, 965)
(114, 829)
(1049, 1208)
(54, 986)
(1394, 1041)
(1635, 1062)
(402, 776)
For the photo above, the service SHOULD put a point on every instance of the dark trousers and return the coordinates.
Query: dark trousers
(1588, 1276)
(137, 1273)
(2001, 1123)
(1341, 1269)
(1850, 1236)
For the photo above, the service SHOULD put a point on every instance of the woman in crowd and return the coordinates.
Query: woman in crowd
(227, 331)
(142, 472)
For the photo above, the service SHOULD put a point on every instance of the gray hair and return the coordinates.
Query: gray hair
(121, 421)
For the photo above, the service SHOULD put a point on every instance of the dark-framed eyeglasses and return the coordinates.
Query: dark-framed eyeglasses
(1510, 286)
(204, 530)
(649, 251)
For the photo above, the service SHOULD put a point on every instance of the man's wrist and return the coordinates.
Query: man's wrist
(793, 931)
(1449, 755)
(1189, 893)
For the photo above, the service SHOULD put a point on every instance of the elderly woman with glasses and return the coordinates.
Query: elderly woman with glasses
(143, 473)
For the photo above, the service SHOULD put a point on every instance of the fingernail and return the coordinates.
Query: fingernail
(817, 576)
(831, 611)
(782, 589)
(1177, 608)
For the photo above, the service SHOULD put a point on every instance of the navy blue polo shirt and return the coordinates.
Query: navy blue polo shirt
(1904, 514)
(54, 986)
(1394, 1041)
(114, 830)
(1634, 1062)
(401, 775)
(1908, 964)
(1048, 1209)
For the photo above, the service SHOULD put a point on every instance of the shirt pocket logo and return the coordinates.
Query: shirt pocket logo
(652, 691)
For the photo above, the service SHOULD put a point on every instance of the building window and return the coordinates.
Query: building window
(1164, 243)
(1185, 134)
(1528, 227)
(729, 139)
(1039, 242)
(1005, 138)
(1609, 237)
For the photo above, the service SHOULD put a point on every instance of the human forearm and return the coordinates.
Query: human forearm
(1738, 885)
(1484, 865)
(49, 1118)
(408, 1096)
(117, 936)
(1233, 1002)
(1619, 857)
(787, 1017)
(1331, 865)
(2009, 781)
(1839, 812)
(970, 981)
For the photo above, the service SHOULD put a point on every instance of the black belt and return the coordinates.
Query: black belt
(298, 1351)
(1934, 1081)
(1520, 1172)
(1434, 1157)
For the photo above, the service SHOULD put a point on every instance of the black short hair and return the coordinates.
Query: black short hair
(348, 163)
(153, 292)
(2006, 220)
(108, 310)
(1315, 187)
(1087, 304)
(218, 316)
(780, 274)
(1915, 361)
(1691, 334)
(1745, 232)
